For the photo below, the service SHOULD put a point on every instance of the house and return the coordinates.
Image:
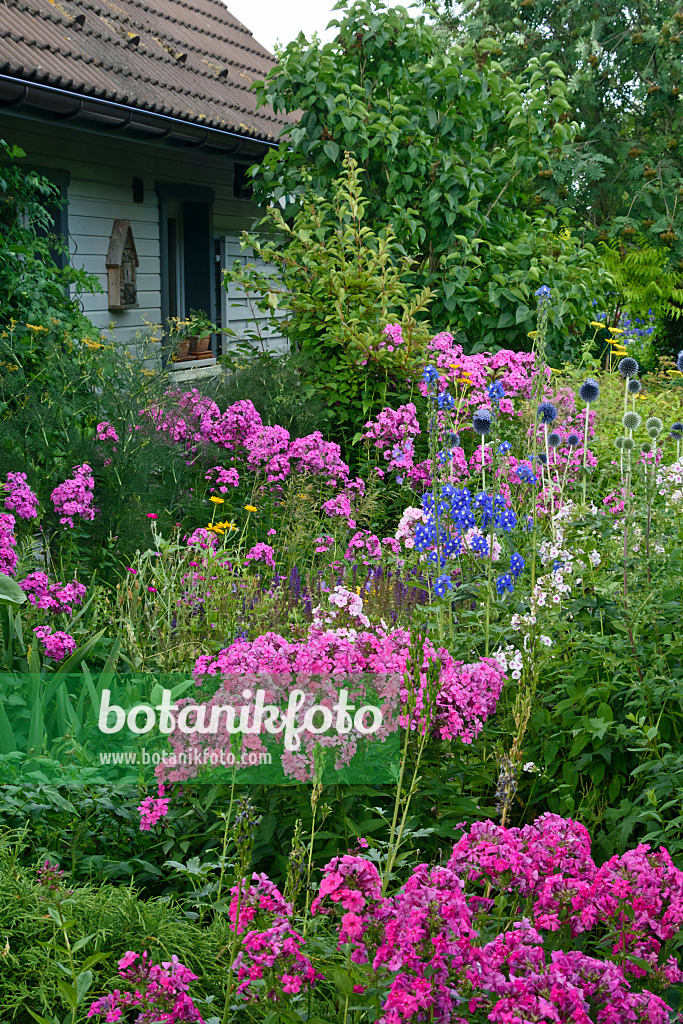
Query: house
(141, 113)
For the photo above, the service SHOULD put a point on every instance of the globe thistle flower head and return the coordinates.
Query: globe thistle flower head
(679, 361)
(547, 412)
(634, 386)
(628, 366)
(481, 421)
(646, 448)
(654, 426)
(628, 444)
(677, 431)
(554, 439)
(631, 420)
(543, 458)
(589, 390)
(573, 441)
(619, 443)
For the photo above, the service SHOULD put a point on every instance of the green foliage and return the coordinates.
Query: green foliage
(340, 283)
(53, 393)
(277, 387)
(624, 68)
(116, 919)
(448, 145)
(641, 280)
(33, 288)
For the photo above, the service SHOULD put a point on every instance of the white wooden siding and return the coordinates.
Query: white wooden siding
(238, 313)
(102, 169)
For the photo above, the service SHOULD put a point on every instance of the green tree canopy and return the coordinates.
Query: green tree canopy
(624, 67)
(449, 144)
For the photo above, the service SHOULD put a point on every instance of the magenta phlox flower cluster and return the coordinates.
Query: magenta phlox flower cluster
(20, 498)
(157, 993)
(268, 449)
(52, 597)
(514, 370)
(571, 987)
(8, 544)
(203, 538)
(57, 645)
(106, 432)
(352, 885)
(259, 900)
(365, 544)
(153, 809)
(322, 673)
(326, 660)
(261, 553)
(223, 478)
(420, 475)
(273, 956)
(340, 506)
(392, 425)
(195, 420)
(73, 498)
(236, 424)
(394, 333)
(323, 543)
(435, 950)
(312, 454)
(388, 342)
(467, 695)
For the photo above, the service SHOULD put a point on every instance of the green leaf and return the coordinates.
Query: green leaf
(342, 980)
(68, 993)
(7, 741)
(83, 983)
(10, 591)
(331, 149)
(40, 1018)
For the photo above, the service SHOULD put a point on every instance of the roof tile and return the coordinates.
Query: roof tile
(188, 58)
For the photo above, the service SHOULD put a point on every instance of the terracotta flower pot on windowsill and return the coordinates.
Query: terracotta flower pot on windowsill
(180, 349)
(199, 344)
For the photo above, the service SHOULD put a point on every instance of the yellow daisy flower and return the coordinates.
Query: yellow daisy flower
(217, 501)
(250, 508)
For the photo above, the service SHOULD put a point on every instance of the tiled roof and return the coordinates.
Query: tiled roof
(189, 59)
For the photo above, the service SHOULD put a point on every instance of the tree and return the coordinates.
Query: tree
(339, 284)
(448, 145)
(624, 67)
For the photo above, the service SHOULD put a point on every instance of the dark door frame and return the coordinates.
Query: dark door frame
(186, 194)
